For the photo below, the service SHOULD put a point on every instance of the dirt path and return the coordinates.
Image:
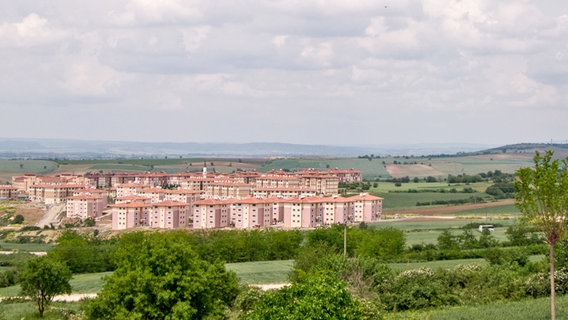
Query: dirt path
(430, 211)
(50, 216)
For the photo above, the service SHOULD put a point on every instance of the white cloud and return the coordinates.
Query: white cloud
(372, 64)
(320, 54)
(31, 30)
(155, 11)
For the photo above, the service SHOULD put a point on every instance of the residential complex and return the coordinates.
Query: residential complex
(202, 200)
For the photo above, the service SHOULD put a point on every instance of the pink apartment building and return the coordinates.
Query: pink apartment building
(154, 194)
(129, 215)
(211, 214)
(300, 212)
(52, 193)
(8, 192)
(169, 215)
(132, 198)
(85, 206)
(226, 189)
(185, 196)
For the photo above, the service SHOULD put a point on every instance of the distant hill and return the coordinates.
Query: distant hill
(31, 148)
(560, 149)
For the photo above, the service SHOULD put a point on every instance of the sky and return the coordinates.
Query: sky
(337, 72)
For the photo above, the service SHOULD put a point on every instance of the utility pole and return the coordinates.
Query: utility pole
(345, 239)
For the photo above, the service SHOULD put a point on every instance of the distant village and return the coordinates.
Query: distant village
(203, 200)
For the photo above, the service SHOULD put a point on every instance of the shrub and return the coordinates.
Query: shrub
(18, 219)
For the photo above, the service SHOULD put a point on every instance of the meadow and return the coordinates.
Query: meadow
(26, 247)
(534, 309)
(23, 166)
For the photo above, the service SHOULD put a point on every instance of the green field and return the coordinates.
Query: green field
(371, 170)
(474, 165)
(508, 209)
(437, 225)
(431, 236)
(25, 166)
(409, 200)
(533, 309)
(26, 247)
(262, 271)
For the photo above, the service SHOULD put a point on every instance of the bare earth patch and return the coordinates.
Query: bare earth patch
(412, 170)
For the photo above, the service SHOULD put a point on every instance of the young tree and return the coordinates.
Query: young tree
(541, 196)
(42, 279)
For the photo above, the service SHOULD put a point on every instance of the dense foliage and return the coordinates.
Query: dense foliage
(320, 296)
(159, 276)
(83, 254)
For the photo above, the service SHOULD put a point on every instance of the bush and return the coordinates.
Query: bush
(18, 219)
(417, 289)
(538, 285)
(247, 298)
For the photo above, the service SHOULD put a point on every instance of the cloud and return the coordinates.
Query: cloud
(30, 31)
(375, 65)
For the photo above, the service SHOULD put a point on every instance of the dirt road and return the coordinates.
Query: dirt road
(50, 216)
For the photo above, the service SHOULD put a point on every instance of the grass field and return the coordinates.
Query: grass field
(371, 170)
(409, 200)
(437, 225)
(27, 247)
(262, 271)
(508, 209)
(384, 187)
(533, 309)
(28, 310)
(431, 236)
(23, 166)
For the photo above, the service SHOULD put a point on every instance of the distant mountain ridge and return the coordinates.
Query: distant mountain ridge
(86, 149)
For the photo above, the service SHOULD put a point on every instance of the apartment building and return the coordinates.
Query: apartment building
(211, 214)
(8, 192)
(129, 215)
(85, 206)
(283, 192)
(291, 213)
(52, 193)
(226, 189)
(169, 215)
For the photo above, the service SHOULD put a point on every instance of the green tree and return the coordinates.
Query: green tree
(18, 219)
(541, 196)
(447, 241)
(320, 296)
(42, 279)
(159, 276)
(82, 254)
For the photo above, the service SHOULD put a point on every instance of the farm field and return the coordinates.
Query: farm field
(410, 200)
(421, 186)
(262, 271)
(371, 170)
(534, 309)
(26, 247)
(437, 224)
(374, 169)
(431, 236)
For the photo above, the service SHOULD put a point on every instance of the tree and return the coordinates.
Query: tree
(541, 196)
(159, 276)
(42, 279)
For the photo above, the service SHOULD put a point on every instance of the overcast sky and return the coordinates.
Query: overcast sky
(335, 72)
